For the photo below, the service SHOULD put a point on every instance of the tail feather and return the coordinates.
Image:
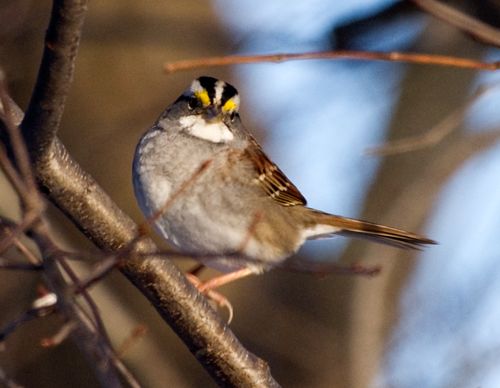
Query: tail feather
(367, 230)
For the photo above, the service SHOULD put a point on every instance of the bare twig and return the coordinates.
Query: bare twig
(9, 264)
(476, 28)
(61, 335)
(7, 381)
(25, 184)
(87, 340)
(13, 234)
(171, 200)
(425, 59)
(6, 228)
(112, 357)
(34, 260)
(103, 268)
(250, 232)
(135, 335)
(322, 268)
(21, 320)
(436, 134)
(97, 321)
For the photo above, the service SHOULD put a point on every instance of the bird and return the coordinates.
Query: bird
(210, 190)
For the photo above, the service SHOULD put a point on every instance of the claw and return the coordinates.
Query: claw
(212, 295)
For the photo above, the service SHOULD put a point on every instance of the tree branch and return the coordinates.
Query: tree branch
(425, 59)
(77, 194)
(476, 28)
(55, 77)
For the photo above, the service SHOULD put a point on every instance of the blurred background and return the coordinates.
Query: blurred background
(430, 319)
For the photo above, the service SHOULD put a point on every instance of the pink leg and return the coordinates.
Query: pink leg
(208, 287)
(225, 279)
(196, 269)
(214, 296)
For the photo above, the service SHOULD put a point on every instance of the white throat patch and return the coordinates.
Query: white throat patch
(216, 132)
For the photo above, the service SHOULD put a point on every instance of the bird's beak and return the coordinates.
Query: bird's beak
(212, 114)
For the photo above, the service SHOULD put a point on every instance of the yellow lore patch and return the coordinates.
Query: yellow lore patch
(229, 106)
(202, 95)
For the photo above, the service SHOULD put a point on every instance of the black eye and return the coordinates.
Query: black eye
(193, 103)
(233, 116)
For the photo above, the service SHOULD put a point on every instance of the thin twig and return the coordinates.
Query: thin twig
(24, 184)
(103, 268)
(476, 28)
(13, 234)
(111, 355)
(28, 191)
(425, 59)
(135, 335)
(7, 381)
(6, 227)
(34, 260)
(25, 317)
(436, 134)
(9, 264)
(93, 345)
(250, 231)
(97, 320)
(61, 335)
(171, 200)
(10, 171)
(328, 268)
(293, 265)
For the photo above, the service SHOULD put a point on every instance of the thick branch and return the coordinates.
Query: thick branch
(55, 76)
(80, 197)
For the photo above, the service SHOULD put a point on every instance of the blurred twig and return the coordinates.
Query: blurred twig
(436, 134)
(476, 28)
(426, 59)
(7, 381)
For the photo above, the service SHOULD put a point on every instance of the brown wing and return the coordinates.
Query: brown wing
(272, 179)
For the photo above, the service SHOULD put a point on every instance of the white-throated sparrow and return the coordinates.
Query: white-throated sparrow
(241, 214)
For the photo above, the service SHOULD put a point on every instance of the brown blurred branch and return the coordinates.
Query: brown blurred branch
(425, 59)
(476, 28)
(78, 195)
